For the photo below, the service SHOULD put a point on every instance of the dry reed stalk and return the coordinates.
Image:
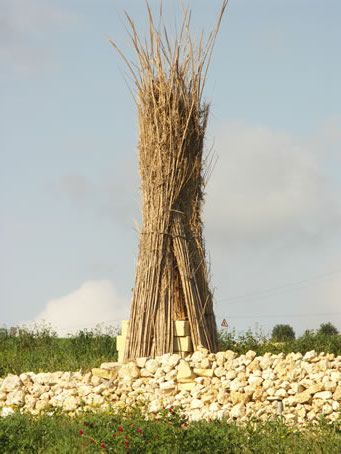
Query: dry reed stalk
(171, 276)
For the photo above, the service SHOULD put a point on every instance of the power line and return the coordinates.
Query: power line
(269, 291)
(317, 314)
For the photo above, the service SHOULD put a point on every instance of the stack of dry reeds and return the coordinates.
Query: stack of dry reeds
(171, 276)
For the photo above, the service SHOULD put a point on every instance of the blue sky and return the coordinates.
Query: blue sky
(69, 199)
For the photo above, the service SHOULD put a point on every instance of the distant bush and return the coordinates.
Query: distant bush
(282, 333)
(328, 329)
(260, 343)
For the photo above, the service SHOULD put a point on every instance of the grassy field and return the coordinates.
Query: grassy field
(40, 350)
(169, 434)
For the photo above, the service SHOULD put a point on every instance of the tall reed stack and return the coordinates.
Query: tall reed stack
(172, 281)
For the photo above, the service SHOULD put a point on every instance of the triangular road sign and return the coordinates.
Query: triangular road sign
(224, 323)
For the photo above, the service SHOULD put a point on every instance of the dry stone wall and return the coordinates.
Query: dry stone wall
(207, 386)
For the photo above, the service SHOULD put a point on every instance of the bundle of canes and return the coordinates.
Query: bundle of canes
(172, 278)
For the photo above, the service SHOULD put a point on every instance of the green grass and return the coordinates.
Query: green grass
(169, 434)
(40, 350)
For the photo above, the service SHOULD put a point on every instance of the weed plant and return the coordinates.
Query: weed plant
(167, 433)
(41, 350)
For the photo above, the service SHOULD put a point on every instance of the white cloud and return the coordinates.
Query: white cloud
(25, 33)
(273, 217)
(95, 302)
(267, 184)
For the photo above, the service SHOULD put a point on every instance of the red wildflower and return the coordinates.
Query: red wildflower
(139, 430)
(126, 444)
(120, 429)
(103, 445)
(81, 432)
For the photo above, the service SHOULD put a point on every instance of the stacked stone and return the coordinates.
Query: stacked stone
(182, 339)
(205, 385)
(121, 340)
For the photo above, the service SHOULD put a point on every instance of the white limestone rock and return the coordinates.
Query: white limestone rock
(168, 385)
(71, 403)
(151, 365)
(129, 371)
(184, 371)
(250, 355)
(6, 411)
(154, 406)
(110, 366)
(254, 380)
(141, 362)
(42, 405)
(310, 355)
(219, 371)
(174, 360)
(237, 411)
(26, 379)
(196, 403)
(16, 398)
(10, 383)
(337, 393)
(324, 395)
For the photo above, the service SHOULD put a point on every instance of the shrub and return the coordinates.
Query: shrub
(328, 329)
(260, 343)
(282, 333)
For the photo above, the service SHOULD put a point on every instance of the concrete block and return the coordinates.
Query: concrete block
(104, 373)
(186, 386)
(183, 354)
(120, 356)
(120, 343)
(182, 344)
(124, 327)
(181, 328)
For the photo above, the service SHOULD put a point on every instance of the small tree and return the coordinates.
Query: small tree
(328, 329)
(282, 333)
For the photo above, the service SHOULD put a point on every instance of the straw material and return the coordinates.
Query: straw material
(172, 281)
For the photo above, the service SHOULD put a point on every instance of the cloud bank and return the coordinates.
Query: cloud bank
(95, 302)
(25, 31)
(269, 184)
